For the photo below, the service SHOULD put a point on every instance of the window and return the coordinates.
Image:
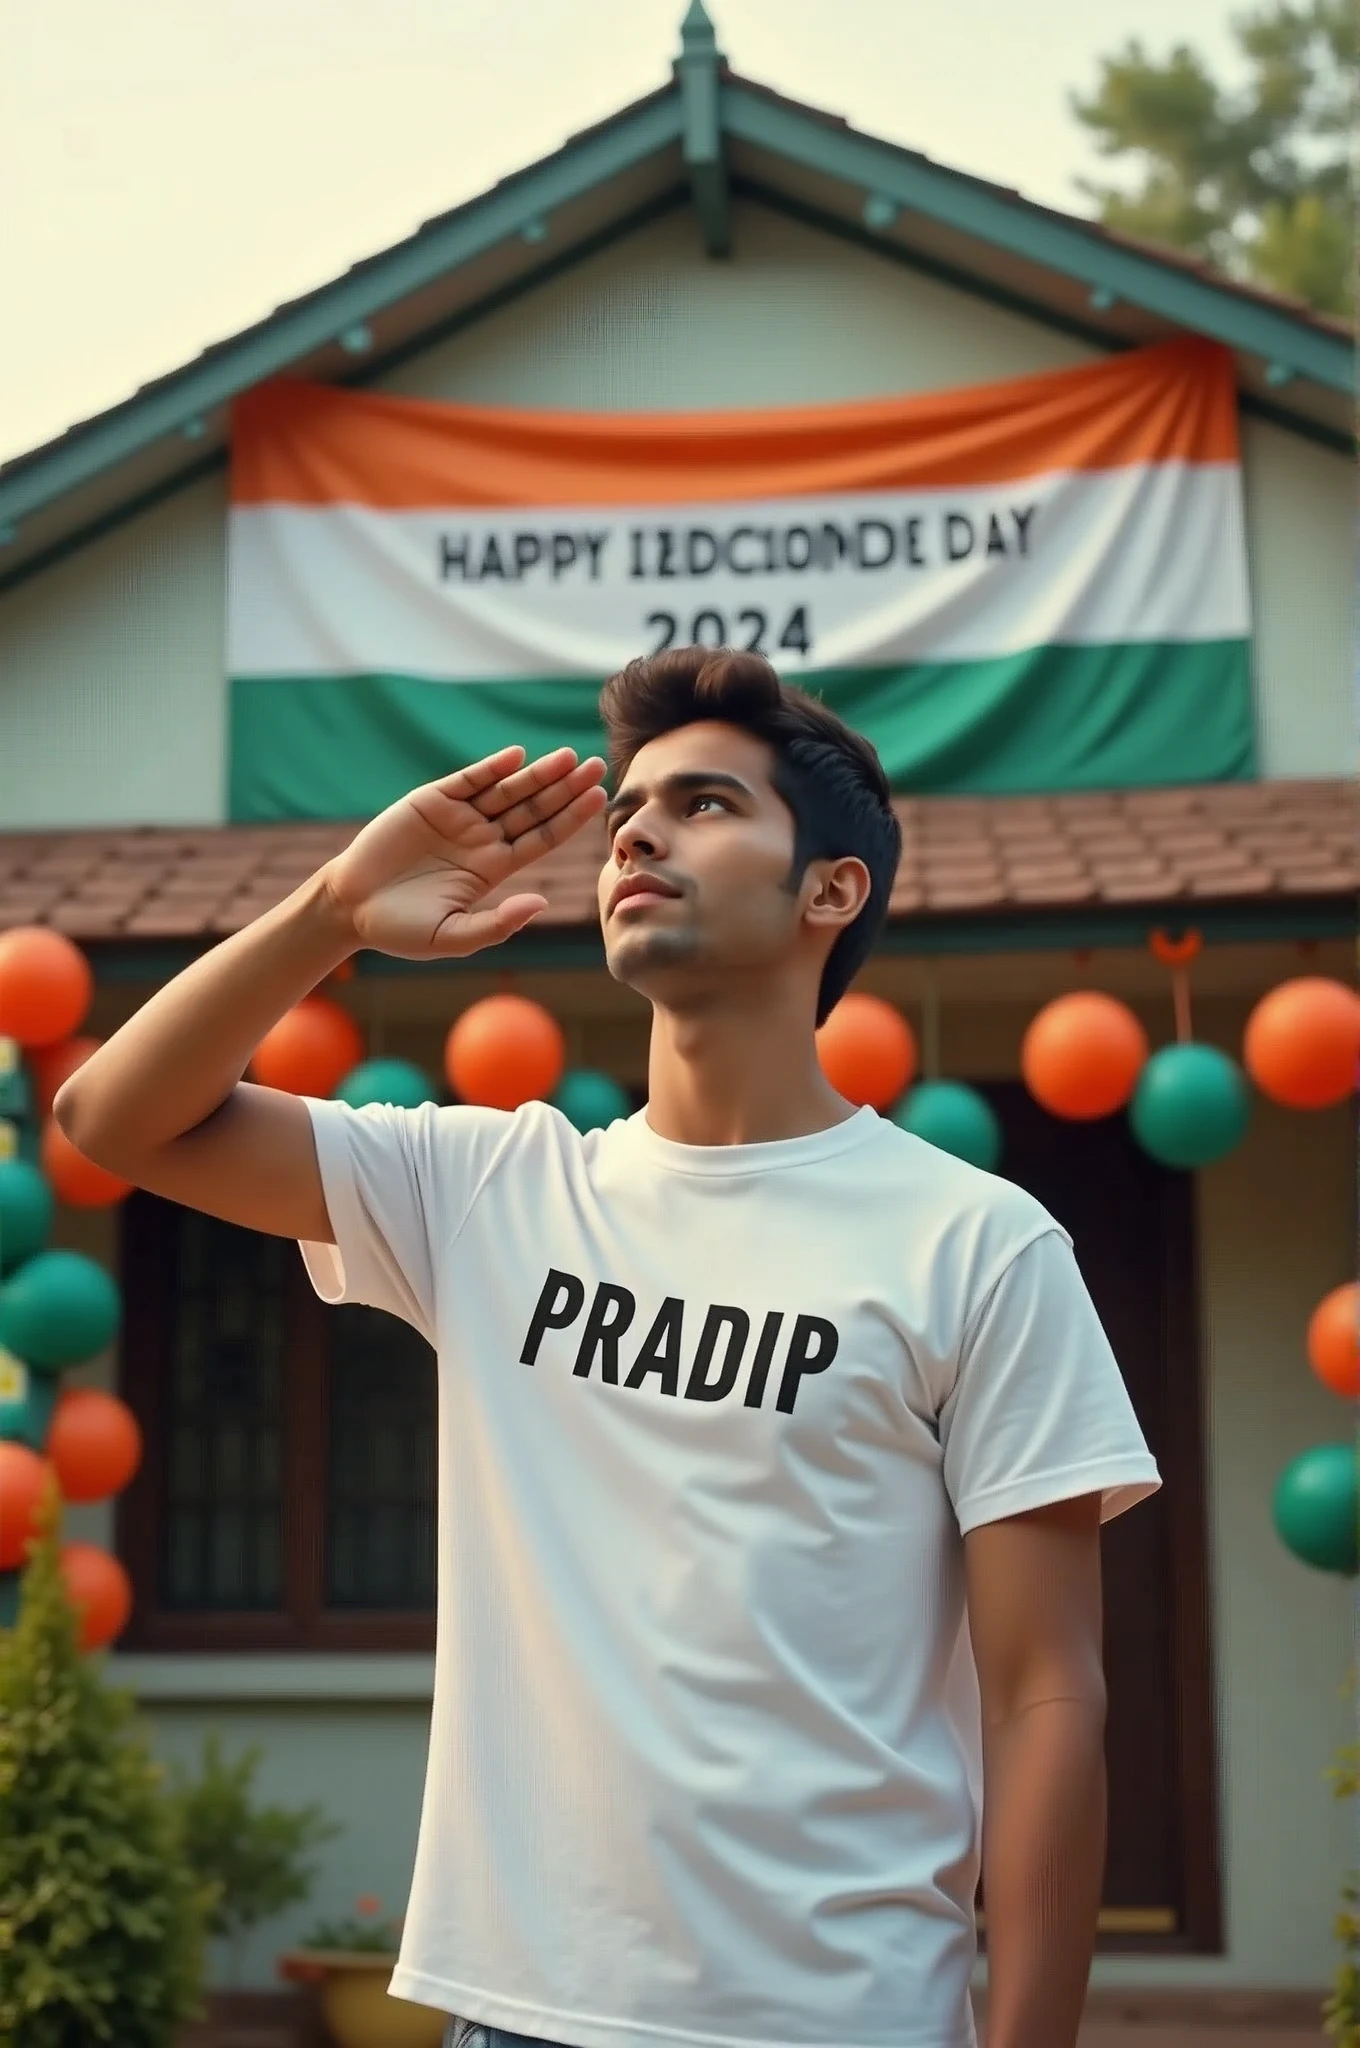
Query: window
(287, 1496)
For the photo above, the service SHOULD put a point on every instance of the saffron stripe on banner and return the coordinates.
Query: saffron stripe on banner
(313, 444)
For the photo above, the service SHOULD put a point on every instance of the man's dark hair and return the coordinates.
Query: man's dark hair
(829, 776)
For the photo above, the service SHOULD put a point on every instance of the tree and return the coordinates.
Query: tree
(101, 1922)
(1256, 181)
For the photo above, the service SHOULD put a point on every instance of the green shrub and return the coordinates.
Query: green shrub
(1342, 2010)
(101, 1921)
(252, 1858)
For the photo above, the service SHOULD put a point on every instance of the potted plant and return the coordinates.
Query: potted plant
(350, 1963)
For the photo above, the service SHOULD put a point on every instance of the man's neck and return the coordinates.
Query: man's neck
(727, 1077)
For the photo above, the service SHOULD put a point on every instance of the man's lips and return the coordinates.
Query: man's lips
(640, 889)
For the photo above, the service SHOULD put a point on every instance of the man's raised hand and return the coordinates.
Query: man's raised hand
(414, 881)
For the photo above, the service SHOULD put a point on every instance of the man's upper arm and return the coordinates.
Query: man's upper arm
(252, 1162)
(1034, 1606)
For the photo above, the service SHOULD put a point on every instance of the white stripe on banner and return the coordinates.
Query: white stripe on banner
(1148, 552)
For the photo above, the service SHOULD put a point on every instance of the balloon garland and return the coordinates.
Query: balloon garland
(1085, 1055)
(57, 1308)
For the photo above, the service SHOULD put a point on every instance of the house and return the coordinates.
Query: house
(718, 246)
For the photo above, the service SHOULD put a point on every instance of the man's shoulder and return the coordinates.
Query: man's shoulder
(958, 1197)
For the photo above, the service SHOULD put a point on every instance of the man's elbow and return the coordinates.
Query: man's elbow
(77, 1116)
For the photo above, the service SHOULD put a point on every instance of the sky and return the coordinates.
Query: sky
(174, 169)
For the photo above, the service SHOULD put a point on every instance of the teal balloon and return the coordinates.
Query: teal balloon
(589, 1100)
(1192, 1105)
(27, 1206)
(27, 1399)
(399, 1082)
(1317, 1509)
(954, 1118)
(58, 1309)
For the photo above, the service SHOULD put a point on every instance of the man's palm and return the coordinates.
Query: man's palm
(413, 881)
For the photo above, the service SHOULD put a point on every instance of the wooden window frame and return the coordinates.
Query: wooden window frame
(303, 1623)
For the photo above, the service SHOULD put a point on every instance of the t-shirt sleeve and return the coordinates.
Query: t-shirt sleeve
(398, 1185)
(1039, 1411)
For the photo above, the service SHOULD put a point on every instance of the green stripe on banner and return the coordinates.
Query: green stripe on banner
(1054, 718)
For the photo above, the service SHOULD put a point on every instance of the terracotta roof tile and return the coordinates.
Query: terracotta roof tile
(961, 855)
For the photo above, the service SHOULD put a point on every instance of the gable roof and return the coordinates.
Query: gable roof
(705, 137)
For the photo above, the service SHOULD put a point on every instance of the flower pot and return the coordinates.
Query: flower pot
(352, 1986)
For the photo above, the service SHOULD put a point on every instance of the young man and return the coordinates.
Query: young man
(774, 1444)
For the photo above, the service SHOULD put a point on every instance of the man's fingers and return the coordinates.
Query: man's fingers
(466, 783)
(474, 929)
(533, 843)
(542, 804)
(538, 780)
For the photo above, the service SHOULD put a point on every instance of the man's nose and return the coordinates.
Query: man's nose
(640, 837)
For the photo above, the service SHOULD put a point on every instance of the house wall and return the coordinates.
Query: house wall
(1276, 1230)
(112, 701)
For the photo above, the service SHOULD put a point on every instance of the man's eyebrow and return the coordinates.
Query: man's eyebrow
(685, 781)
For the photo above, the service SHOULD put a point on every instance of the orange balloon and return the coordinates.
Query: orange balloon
(310, 1050)
(867, 1051)
(24, 1478)
(1302, 1043)
(503, 1051)
(1082, 1055)
(50, 1065)
(76, 1179)
(1334, 1340)
(45, 985)
(99, 1590)
(94, 1442)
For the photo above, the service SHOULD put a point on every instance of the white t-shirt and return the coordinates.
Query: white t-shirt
(705, 1759)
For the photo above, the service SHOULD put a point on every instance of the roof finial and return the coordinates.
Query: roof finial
(697, 35)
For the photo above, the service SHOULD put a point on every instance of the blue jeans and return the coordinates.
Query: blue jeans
(472, 2034)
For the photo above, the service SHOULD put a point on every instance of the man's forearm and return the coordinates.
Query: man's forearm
(178, 1059)
(1043, 1861)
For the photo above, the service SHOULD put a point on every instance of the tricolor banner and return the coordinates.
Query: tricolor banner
(1036, 585)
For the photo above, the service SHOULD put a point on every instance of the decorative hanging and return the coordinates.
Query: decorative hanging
(310, 1050)
(1082, 1055)
(505, 1051)
(1302, 1043)
(588, 1100)
(399, 1083)
(949, 1115)
(1334, 1340)
(1192, 1104)
(1316, 1506)
(867, 1051)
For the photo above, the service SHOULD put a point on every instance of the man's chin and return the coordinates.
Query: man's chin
(648, 961)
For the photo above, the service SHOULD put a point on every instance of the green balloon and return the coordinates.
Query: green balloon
(398, 1082)
(26, 1209)
(955, 1119)
(1191, 1105)
(1317, 1509)
(590, 1101)
(58, 1309)
(27, 1399)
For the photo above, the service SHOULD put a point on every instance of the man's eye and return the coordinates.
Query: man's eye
(695, 801)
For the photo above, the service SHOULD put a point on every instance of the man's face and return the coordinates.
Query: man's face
(699, 820)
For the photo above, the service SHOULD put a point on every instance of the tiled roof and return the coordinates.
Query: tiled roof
(962, 856)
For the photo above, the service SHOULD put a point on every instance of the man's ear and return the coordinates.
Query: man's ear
(834, 892)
